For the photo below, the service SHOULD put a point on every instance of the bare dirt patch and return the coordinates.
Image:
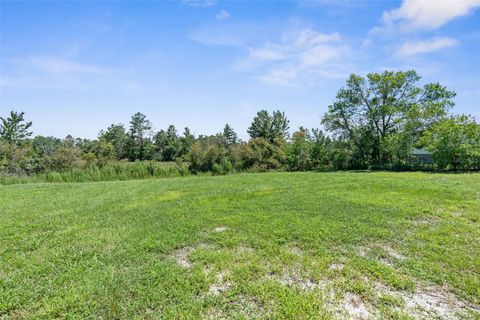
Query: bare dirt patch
(429, 302)
(181, 255)
(389, 255)
(353, 307)
(220, 285)
(220, 229)
(241, 307)
(426, 221)
(294, 250)
(245, 249)
(362, 251)
(293, 279)
(337, 266)
(393, 253)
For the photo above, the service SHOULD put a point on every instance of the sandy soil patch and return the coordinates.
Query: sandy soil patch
(181, 255)
(220, 285)
(431, 302)
(220, 229)
(353, 307)
(336, 266)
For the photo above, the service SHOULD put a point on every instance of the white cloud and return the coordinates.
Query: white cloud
(367, 42)
(296, 58)
(308, 37)
(300, 57)
(222, 15)
(265, 54)
(415, 15)
(54, 65)
(199, 3)
(220, 39)
(411, 48)
(52, 72)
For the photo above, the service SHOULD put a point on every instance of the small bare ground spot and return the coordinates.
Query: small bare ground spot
(393, 253)
(429, 220)
(245, 249)
(220, 229)
(336, 266)
(294, 250)
(293, 279)
(181, 255)
(353, 306)
(362, 252)
(220, 286)
(388, 257)
(217, 289)
(249, 308)
(240, 308)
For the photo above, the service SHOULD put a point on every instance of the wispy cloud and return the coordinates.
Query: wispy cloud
(265, 54)
(199, 3)
(296, 58)
(414, 15)
(55, 65)
(332, 3)
(223, 15)
(50, 72)
(223, 39)
(411, 48)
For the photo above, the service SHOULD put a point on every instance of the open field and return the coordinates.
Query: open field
(273, 245)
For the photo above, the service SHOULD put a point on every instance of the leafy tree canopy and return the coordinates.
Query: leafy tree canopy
(14, 128)
(269, 127)
(367, 110)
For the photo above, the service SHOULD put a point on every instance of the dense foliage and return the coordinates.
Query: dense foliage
(375, 123)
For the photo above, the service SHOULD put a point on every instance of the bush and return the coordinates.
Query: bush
(207, 154)
(260, 155)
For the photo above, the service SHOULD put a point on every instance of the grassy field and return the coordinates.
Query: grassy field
(273, 245)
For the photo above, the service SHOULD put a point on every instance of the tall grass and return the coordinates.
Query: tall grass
(114, 171)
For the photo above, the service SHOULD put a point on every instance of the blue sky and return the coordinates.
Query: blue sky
(76, 67)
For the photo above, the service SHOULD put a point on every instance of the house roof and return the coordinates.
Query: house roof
(420, 151)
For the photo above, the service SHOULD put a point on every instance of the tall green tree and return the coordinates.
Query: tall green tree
(160, 141)
(299, 151)
(172, 145)
(280, 125)
(186, 141)
(168, 144)
(229, 136)
(269, 127)
(321, 149)
(367, 110)
(14, 128)
(117, 136)
(139, 143)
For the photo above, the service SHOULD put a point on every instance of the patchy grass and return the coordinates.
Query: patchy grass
(275, 245)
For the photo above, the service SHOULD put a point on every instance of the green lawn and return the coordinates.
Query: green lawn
(272, 245)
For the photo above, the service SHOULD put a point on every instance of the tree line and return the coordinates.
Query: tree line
(374, 122)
